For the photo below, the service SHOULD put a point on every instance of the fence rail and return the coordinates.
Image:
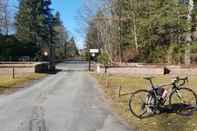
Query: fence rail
(14, 69)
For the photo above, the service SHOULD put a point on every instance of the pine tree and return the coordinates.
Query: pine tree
(161, 23)
(59, 36)
(28, 20)
(33, 20)
(72, 50)
(46, 31)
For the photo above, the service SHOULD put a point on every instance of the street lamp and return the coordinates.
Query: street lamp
(46, 53)
(51, 46)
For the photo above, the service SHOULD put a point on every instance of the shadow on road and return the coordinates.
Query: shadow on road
(70, 70)
(54, 72)
(181, 109)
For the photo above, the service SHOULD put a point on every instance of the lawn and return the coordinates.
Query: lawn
(8, 83)
(164, 122)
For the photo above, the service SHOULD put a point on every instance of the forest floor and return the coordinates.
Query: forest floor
(163, 122)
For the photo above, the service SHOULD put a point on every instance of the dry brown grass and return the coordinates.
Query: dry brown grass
(164, 122)
(8, 83)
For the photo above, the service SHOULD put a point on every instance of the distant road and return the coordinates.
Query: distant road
(67, 101)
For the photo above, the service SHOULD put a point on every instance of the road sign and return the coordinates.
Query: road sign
(94, 50)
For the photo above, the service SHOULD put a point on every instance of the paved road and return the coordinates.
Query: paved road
(67, 101)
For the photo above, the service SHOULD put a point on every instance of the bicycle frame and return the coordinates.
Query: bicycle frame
(174, 88)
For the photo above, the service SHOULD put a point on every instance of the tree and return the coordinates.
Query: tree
(104, 59)
(159, 30)
(189, 33)
(12, 49)
(35, 24)
(71, 48)
(6, 21)
(27, 19)
(93, 37)
(33, 20)
(60, 36)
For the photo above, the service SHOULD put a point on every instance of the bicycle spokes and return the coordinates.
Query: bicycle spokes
(140, 104)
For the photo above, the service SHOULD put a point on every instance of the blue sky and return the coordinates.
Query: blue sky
(69, 10)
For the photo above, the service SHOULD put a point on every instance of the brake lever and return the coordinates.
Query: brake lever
(186, 80)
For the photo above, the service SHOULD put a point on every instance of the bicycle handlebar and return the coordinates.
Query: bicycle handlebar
(178, 79)
(175, 82)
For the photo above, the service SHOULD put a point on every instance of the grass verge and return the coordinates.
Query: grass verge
(7, 83)
(164, 122)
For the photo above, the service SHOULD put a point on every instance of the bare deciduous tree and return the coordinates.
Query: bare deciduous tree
(6, 17)
(189, 34)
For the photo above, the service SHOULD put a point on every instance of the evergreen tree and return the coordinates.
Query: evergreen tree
(46, 31)
(71, 48)
(33, 20)
(28, 20)
(154, 25)
(60, 36)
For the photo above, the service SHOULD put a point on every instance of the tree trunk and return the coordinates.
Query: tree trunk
(135, 35)
(187, 53)
(134, 25)
(169, 56)
(189, 34)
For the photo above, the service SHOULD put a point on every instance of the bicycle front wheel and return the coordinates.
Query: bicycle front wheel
(140, 104)
(185, 98)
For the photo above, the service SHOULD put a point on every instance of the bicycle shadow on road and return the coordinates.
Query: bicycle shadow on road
(180, 109)
(54, 72)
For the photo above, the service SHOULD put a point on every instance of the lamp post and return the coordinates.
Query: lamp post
(51, 48)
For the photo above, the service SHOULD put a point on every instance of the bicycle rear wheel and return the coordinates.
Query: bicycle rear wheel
(141, 103)
(185, 99)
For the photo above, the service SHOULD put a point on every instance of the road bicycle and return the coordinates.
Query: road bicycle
(146, 103)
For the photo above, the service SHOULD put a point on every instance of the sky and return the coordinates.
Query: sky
(69, 10)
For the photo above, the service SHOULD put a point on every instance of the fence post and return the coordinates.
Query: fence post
(89, 61)
(13, 72)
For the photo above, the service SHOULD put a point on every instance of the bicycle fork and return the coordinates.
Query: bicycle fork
(180, 96)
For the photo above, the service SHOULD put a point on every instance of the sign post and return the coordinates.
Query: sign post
(92, 53)
(13, 72)
(89, 61)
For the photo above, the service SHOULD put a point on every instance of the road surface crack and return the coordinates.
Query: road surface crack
(37, 121)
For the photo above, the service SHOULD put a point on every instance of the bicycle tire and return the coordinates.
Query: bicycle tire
(188, 104)
(133, 103)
